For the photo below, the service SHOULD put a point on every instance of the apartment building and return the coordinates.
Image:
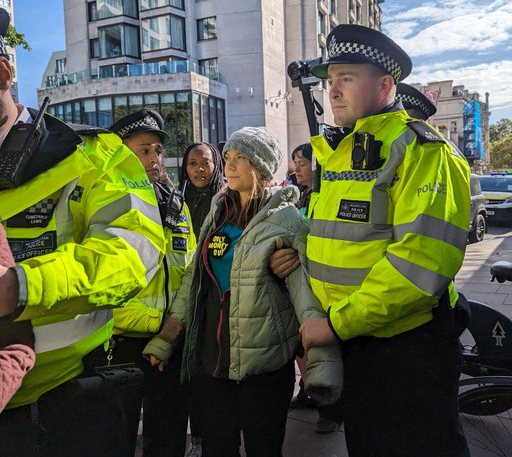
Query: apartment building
(209, 66)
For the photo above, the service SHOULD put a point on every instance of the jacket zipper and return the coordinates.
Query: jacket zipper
(222, 296)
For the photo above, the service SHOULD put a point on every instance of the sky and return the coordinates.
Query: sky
(467, 41)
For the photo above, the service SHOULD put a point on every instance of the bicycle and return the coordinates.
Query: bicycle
(485, 389)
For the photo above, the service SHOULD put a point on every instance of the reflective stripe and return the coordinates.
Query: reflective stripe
(351, 175)
(149, 255)
(380, 197)
(121, 206)
(63, 214)
(336, 275)
(434, 228)
(65, 333)
(348, 231)
(424, 279)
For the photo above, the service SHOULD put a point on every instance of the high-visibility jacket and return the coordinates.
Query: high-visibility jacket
(142, 315)
(86, 234)
(385, 244)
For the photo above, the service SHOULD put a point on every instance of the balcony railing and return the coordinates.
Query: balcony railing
(131, 69)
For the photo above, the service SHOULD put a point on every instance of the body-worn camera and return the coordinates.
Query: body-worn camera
(173, 209)
(19, 146)
(365, 152)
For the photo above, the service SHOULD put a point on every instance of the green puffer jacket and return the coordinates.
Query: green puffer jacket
(264, 314)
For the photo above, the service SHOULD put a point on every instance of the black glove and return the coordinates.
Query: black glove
(16, 333)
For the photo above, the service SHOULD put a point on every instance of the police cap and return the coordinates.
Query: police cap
(351, 43)
(412, 98)
(144, 120)
(5, 20)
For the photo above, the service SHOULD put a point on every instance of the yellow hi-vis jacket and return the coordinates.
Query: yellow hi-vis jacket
(143, 314)
(385, 244)
(87, 235)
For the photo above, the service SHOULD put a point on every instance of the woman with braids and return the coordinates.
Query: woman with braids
(200, 179)
(242, 322)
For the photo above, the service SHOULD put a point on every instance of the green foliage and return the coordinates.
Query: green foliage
(14, 38)
(501, 154)
(501, 130)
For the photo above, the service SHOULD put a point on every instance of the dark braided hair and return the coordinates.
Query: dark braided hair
(217, 178)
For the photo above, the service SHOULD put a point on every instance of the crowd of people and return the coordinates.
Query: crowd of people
(121, 290)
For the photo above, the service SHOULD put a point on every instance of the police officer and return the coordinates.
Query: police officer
(83, 225)
(415, 102)
(165, 400)
(388, 231)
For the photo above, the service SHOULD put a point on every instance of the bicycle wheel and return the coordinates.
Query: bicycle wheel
(486, 415)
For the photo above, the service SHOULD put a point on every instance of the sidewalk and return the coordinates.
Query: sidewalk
(474, 281)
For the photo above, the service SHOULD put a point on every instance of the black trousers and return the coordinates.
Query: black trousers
(257, 406)
(165, 400)
(84, 417)
(400, 393)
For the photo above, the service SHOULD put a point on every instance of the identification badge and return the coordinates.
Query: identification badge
(26, 248)
(179, 244)
(38, 215)
(354, 210)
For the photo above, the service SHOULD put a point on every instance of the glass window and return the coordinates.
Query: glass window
(60, 65)
(196, 117)
(120, 107)
(5, 3)
(183, 121)
(68, 113)
(76, 112)
(94, 48)
(168, 112)
(93, 11)
(89, 115)
(221, 125)
(118, 40)
(135, 102)
(104, 112)
(163, 32)
(213, 121)
(151, 101)
(111, 8)
(205, 118)
(210, 67)
(149, 4)
(207, 28)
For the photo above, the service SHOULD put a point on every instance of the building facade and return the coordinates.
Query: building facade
(463, 118)
(209, 66)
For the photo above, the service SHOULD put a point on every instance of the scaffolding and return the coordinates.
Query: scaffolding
(473, 147)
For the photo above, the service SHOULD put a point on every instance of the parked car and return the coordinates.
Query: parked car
(497, 190)
(478, 215)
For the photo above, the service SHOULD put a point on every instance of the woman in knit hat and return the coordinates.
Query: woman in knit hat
(242, 321)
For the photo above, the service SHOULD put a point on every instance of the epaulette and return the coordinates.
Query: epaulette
(424, 132)
(87, 130)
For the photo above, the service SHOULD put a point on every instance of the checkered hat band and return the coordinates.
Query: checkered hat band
(146, 121)
(382, 60)
(3, 48)
(414, 102)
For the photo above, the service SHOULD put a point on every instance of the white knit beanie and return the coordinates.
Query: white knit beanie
(259, 146)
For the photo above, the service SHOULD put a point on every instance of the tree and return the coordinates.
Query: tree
(501, 130)
(501, 154)
(14, 38)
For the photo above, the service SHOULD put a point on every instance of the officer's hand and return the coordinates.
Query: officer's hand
(316, 332)
(156, 362)
(283, 260)
(171, 329)
(8, 291)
